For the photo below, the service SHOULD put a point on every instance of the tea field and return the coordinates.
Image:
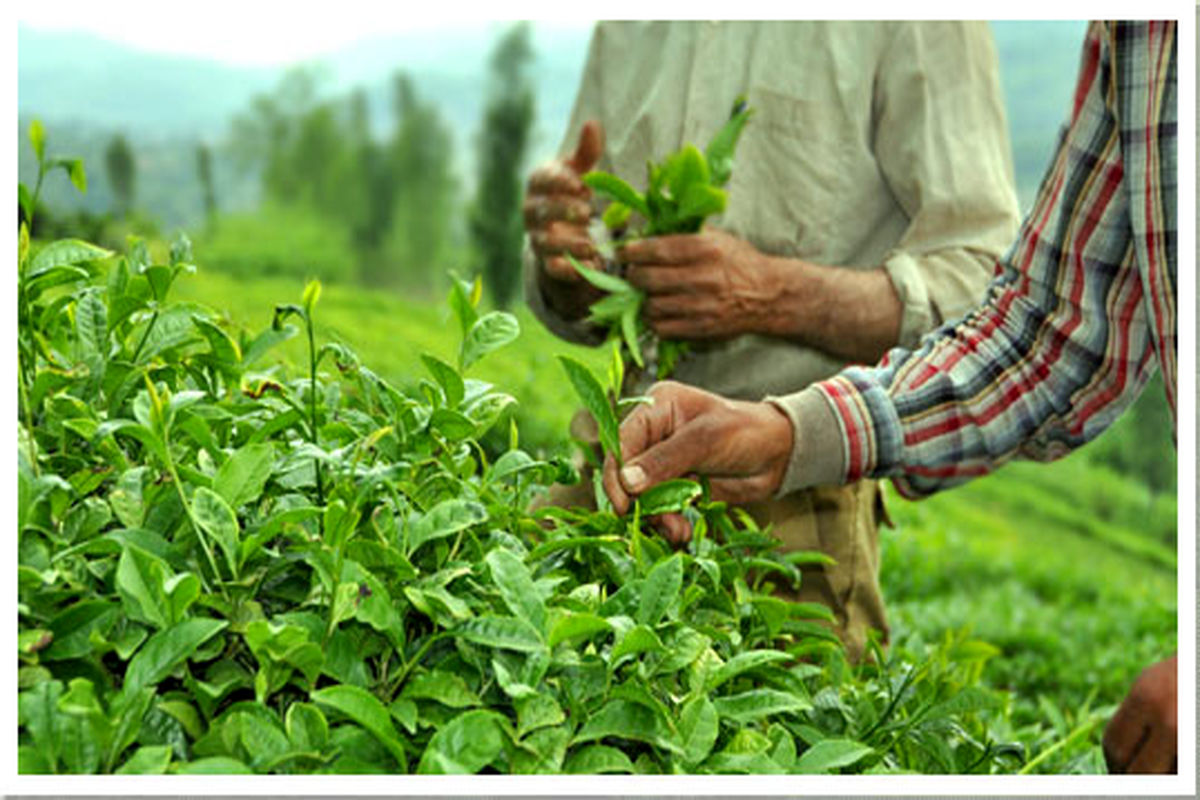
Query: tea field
(1067, 568)
(267, 527)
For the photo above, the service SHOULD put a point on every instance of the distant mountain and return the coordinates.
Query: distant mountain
(73, 77)
(85, 89)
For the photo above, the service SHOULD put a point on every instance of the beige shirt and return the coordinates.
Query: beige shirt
(872, 144)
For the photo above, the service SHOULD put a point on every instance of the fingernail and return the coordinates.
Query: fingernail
(633, 477)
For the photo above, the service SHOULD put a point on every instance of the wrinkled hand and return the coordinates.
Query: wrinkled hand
(707, 285)
(556, 210)
(1142, 736)
(742, 448)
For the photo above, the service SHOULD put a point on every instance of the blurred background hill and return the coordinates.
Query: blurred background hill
(87, 89)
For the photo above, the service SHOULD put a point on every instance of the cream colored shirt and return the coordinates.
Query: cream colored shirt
(872, 144)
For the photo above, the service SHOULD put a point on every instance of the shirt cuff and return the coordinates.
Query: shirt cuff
(917, 316)
(817, 451)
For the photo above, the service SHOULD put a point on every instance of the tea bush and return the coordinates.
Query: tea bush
(228, 568)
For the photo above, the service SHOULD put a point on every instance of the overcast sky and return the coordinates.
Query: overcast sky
(260, 32)
(255, 32)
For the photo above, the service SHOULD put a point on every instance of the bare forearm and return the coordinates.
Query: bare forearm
(847, 313)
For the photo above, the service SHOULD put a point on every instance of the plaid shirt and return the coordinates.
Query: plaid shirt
(1079, 311)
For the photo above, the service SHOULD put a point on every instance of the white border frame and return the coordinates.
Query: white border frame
(1183, 784)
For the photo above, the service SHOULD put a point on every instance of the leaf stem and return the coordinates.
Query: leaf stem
(312, 402)
(1081, 731)
(146, 335)
(187, 507)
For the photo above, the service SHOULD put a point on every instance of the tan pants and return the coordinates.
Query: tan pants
(840, 521)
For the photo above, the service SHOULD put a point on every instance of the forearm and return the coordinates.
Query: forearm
(848, 313)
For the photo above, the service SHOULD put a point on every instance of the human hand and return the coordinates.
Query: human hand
(707, 285)
(743, 448)
(556, 210)
(1142, 736)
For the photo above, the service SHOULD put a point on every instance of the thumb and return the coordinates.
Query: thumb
(591, 145)
(675, 456)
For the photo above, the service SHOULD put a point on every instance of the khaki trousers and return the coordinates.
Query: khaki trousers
(843, 523)
(840, 521)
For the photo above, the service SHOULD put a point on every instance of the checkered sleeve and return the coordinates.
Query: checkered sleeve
(1062, 343)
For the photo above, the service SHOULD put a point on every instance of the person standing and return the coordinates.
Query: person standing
(1081, 311)
(871, 194)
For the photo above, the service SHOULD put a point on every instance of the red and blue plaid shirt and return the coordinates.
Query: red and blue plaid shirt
(1079, 313)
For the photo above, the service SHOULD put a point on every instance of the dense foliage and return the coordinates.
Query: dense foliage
(225, 568)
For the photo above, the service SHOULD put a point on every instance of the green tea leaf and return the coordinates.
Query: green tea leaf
(596, 759)
(76, 172)
(214, 765)
(744, 662)
(697, 728)
(364, 708)
(668, 496)
(685, 170)
(140, 579)
(617, 189)
(596, 402)
(720, 149)
(65, 252)
(616, 215)
(446, 688)
(537, 711)
(241, 478)
(489, 333)
(575, 626)
(445, 519)
(25, 203)
(91, 324)
(759, 704)
(463, 746)
(312, 293)
(702, 200)
(637, 640)
(149, 760)
(167, 649)
(447, 377)
(462, 302)
(831, 754)
(72, 628)
(219, 522)
(605, 281)
(805, 557)
(516, 587)
(625, 719)
(37, 137)
(506, 633)
(660, 589)
(630, 333)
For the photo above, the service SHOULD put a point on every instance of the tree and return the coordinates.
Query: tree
(495, 217)
(204, 173)
(420, 160)
(122, 173)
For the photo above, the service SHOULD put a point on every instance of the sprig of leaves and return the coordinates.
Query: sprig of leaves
(682, 191)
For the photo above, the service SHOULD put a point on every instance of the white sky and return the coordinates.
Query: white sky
(261, 32)
(255, 32)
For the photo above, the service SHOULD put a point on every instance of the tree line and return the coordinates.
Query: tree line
(341, 201)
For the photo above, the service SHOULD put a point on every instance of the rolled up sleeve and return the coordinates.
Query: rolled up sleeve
(941, 141)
